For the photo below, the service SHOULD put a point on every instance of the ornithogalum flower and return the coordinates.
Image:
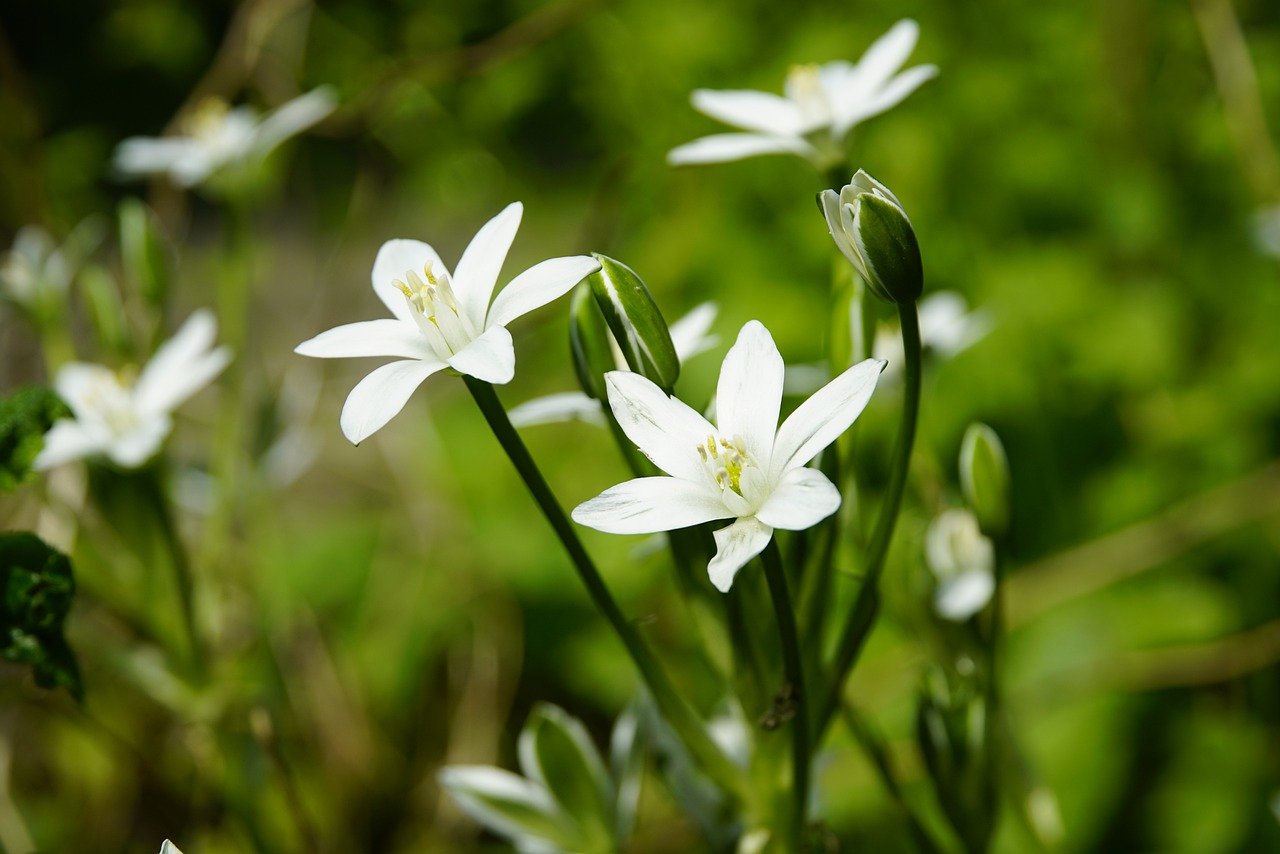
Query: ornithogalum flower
(745, 467)
(441, 321)
(690, 335)
(38, 271)
(217, 136)
(821, 105)
(963, 562)
(126, 418)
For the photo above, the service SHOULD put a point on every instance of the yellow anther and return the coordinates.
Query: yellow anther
(426, 271)
(403, 288)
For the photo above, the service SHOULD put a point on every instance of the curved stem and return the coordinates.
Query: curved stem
(867, 604)
(794, 667)
(674, 709)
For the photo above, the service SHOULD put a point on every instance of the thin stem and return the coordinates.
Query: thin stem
(178, 558)
(878, 753)
(794, 669)
(867, 604)
(677, 713)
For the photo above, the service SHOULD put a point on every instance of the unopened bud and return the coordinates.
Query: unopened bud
(637, 325)
(984, 477)
(871, 228)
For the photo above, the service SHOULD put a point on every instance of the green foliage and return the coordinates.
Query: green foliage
(37, 589)
(25, 416)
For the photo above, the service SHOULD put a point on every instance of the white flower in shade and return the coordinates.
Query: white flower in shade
(947, 328)
(217, 136)
(963, 562)
(124, 418)
(690, 335)
(745, 467)
(821, 105)
(441, 321)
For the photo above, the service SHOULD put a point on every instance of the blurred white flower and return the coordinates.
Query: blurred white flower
(37, 268)
(217, 136)
(690, 335)
(821, 105)
(441, 321)
(947, 328)
(963, 562)
(1266, 230)
(745, 468)
(126, 419)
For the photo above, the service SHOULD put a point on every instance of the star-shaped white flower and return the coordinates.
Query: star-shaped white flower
(821, 105)
(441, 321)
(127, 420)
(745, 467)
(690, 335)
(963, 561)
(217, 136)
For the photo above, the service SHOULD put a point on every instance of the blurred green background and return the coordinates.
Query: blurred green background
(1075, 170)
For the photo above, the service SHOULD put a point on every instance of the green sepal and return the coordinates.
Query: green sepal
(635, 321)
(143, 252)
(589, 343)
(25, 416)
(556, 751)
(889, 245)
(36, 591)
(984, 478)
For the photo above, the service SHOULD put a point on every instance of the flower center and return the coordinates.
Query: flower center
(726, 459)
(208, 119)
(110, 400)
(804, 88)
(435, 309)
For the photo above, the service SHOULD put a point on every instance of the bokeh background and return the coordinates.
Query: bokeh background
(1086, 172)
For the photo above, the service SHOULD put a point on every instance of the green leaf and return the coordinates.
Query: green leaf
(626, 764)
(984, 477)
(636, 322)
(589, 343)
(143, 252)
(36, 590)
(556, 751)
(506, 804)
(25, 417)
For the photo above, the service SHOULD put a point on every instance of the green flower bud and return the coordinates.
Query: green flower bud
(636, 323)
(871, 228)
(984, 477)
(589, 342)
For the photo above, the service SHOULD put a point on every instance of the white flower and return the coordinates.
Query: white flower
(217, 136)
(947, 328)
(822, 104)
(745, 467)
(690, 336)
(963, 561)
(126, 419)
(38, 269)
(441, 321)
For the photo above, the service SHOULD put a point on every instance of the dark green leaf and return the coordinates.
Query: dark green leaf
(36, 591)
(25, 417)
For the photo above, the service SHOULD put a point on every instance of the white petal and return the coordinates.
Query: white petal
(395, 258)
(141, 156)
(378, 397)
(736, 545)
(665, 429)
(477, 273)
(140, 444)
(293, 117)
(558, 408)
(181, 366)
(749, 394)
(893, 93)
(960, 597)
(75, 383)
(68, 440)
(802, 499)
(689, 333)
(539, 285)
(168, 847)
(491, 357)
(723, 147)
(762, 112)
(385, 337)
(818, 421)
(888, 53)
(647, 505)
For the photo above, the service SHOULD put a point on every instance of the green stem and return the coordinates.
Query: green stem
(867, 604)
(677, 713)
(178, 559)
(794, 669)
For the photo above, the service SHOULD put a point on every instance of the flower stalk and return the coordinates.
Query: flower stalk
(152, 482)
(867, 604)
(674, 709)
